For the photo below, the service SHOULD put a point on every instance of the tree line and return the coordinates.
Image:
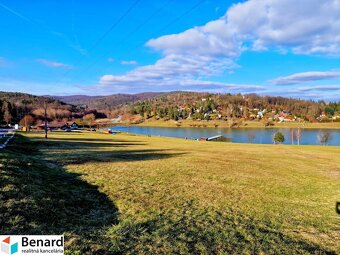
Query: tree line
(16, 107)
(28, 110)
(206, 106)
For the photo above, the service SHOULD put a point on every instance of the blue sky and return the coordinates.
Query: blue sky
(106, 47)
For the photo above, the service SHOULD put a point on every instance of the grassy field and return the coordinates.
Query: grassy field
(3, 139)
(128, 194)
(245, 124)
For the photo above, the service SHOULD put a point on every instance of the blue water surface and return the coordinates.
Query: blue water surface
(237, 135)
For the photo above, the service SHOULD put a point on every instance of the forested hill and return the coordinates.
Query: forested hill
(14, 106)
(172, 105)
(104, 103)
(193, 105)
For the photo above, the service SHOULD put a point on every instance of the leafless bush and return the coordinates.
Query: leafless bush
(324, 137)
(296, 135)
(251, 136)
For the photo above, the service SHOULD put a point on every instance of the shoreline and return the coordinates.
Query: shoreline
(224, 124)
(228, 142)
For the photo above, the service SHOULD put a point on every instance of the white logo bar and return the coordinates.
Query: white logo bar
(31, 244)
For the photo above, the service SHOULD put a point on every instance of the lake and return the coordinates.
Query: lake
(237, 135)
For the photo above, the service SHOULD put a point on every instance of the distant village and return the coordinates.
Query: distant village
(26, 112)
(207, 109)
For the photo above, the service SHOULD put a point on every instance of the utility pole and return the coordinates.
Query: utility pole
(25, 113)
(45, 108)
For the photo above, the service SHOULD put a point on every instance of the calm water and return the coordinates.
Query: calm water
(239, 135)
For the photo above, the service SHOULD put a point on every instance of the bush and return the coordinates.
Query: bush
(324, 137)
(279, 138)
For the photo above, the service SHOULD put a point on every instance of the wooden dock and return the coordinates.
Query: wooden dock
(219, 138)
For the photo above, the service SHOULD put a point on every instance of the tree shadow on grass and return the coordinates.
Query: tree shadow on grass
(36, 198)
(81, 151)
(97, 156)
(108, 139)
(80, 144)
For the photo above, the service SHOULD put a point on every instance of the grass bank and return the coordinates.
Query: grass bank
(245, 124)
(3, 139)
(129, 194)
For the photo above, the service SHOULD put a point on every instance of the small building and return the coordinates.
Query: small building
(74, 126)
(58, 125)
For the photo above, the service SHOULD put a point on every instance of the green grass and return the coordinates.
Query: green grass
(129, 194)
(3, 139)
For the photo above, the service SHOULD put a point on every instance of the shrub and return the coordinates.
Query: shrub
(324, 137)
(279, 138)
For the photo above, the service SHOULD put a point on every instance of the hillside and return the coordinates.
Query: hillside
(106, 102)
(76, 99)
(208, 106)
(28, 99)
(14, 106)
(177, 105)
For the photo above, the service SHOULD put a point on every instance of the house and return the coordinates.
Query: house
(74, 126)
(322, 117)
(58, 125)
(281, 119)
(50, 126)
(69, 126)
(259, 115)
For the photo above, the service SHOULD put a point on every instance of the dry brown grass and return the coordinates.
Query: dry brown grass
(191, 197)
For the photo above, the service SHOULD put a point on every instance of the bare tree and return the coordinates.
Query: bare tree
(324, 137)
(6, 109)
(251, 136)
(299, 135)
(292, 135)
(296, 135)
(45, 117)
(27, 121)
(89, 118)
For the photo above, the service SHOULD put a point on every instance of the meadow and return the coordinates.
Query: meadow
(2, 140)
(130, 194)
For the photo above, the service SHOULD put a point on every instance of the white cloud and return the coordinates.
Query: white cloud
(110, 60)
(301, 27)
(130, 84)
(318, 92)
(171, 70)
(129, 62)
(304, 26)
(54, 64)
(211, 40)
(305, 77)
(324, 88)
